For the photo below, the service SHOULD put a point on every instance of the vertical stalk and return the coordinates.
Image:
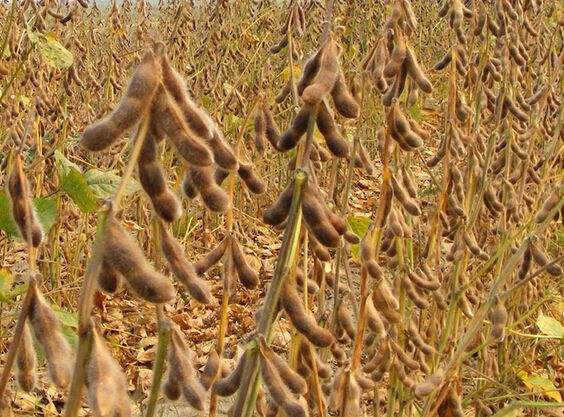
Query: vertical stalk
(89, 284)
(249, 381)
(158, 367)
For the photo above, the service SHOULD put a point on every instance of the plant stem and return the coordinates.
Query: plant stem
(89, 284)
(158, 367)
(249, 381)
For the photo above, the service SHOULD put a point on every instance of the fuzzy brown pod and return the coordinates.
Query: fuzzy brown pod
(211, 258)
(344, 316)
(290, 138)
(247, 275)
(416, 72)
(182, 373)
(551, 202)
(397, 57)
(196, 118)
(182, 269)
(541, 259)
(385, 302)
(334, 140)
(253, 182)
(123, 254)
(169, 119)
(345, 394)
(302, 319)
(259, 124)
(498, 318)
(153, 181)
(48, 332)
(21, 204)
(344, 101)
(213, 196)
(26, 361)
(106, 383)
(109, 278)
(211, 370)
(228, 385)
(326, 76)
(290, 377)
(134, 103)
(321, 222)
(279, 392)
(425, 388)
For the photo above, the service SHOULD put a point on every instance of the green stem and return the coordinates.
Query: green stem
(248, 390)
(158, 367)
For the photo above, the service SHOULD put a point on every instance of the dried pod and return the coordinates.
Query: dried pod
(404, 199)
(251, 179)
(278, 211)
(415, 337)
(416, 73)
(26, 361)
(47, 330)
(336, 143)
(344, 102)
(134, 103)
(227, 386)
(290, 138)
(259, 123)
(541, 259)
(248, 277)
(433, 382)
(302, 320)
(107, 385)
(168, 118)
(291, 378)
(404, 357)
(108, 278)
(344, 317)
(551, 202)
(183, 270)
(498, 318)
(397, 57)
(213, 196)
(22, 209)
(211, 258)
(210, 371)
(181, 370)
(325, 78)
(318, 221)
(272, 131)
(123, 254)
(373, 319)
(278, 390)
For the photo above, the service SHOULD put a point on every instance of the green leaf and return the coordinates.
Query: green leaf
(6, 280)
(63, 164)
(75, 185)
(55, 54)
(14, 293)
(358, 225)
(550, 326)
(66, 317)
(45, 208)
(7, 223)
(546, 385)
(69, 322)
(540, 384)
(104, 184)
(71, 336)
